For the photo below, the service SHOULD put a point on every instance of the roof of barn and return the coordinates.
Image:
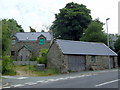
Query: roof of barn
(84, 48)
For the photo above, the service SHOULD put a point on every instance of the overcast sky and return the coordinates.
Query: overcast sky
(40, 13)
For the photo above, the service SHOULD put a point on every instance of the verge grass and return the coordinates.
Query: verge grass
(32, 71)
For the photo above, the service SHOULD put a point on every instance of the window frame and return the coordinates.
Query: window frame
(93, 59)
(12, 53)
(13, 41)
(42, 42)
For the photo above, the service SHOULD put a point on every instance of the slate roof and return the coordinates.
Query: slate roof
(84, 48)
(32, 36)
(27, 47)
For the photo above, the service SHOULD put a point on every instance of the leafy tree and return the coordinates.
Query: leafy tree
(112, 40)
(117, 44)
(43, 58)
(71, 21)
(32, 30)
(118, 58)
(42, 31)
(117, 49)
(7, 66)
(9, 27)
(94, 33)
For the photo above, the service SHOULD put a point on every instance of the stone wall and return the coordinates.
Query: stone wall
(25, 62)
(26, 54)
(102, 62)
(33, 44)
(56, 59)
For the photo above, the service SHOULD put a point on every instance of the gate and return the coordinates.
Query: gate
(76, 63)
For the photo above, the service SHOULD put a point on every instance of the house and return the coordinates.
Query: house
(27, 44)
(66, 55)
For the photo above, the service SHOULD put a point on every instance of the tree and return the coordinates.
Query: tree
(43, 57)
(42, 31)
(9, 27)
(32, 30)
(117, 44)
(117, 48)
(112, 40)
(94, 33)
(71, 21)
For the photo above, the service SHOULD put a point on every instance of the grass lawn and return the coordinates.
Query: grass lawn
(31, 71)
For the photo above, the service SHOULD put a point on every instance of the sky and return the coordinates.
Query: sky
(39, 14)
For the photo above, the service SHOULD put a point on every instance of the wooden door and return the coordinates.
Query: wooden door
(76, 63)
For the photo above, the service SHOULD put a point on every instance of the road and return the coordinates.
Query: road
(97, 79)
(103, 80)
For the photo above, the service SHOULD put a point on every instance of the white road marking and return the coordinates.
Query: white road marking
(65, 78)
(18, 85)
(81, 76)
(45, 81)
(107, 83)
(6, 87)
(12, 77)
(40, 81)
(28, 83)
(51, 80)
(22, 77)
(61, 78)
(88, 75)
(32, 83)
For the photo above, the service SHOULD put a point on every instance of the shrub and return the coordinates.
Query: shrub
(43, 58)
(7, 66)
(33, 58)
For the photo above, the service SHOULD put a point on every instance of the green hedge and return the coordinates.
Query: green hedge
(7, 66)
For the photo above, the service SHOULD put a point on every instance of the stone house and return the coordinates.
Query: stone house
(66, 55)
(27, 44)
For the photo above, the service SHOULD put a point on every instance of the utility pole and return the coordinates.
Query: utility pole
(108, 40)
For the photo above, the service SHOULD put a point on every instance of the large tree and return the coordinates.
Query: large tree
(9, 27)
(94, 33)
(71, 21)
(32, 29)
(117, 49)
(117, 44)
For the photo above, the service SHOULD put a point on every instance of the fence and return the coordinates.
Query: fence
(25, 62)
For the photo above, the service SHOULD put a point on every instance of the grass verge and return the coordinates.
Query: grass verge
(32, 71)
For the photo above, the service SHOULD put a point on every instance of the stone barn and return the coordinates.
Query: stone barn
(66, 55)
(28, 44)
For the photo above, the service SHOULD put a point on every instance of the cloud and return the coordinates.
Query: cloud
(37, 13)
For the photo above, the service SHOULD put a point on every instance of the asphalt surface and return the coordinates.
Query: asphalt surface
(101, 80)
(86, 79)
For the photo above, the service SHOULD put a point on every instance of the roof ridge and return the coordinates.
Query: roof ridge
(33, 32)
(80, 41)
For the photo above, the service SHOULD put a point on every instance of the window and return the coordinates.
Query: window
(12, 53)
(13, 42)
(41, 41)
(93, 59)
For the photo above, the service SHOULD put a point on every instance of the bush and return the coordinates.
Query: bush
(7, 66)
(33, 58)
(43, 58)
